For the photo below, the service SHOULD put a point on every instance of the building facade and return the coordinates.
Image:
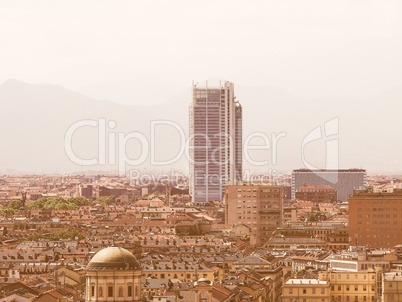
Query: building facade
(113, 274)
(305, 290)
(375, 218)
(259, 206)
(316, 194)
(344, 181)
(334, 233)
(336, 286)
(392, 285)
(86, 191)
(215, 141)
(353, 286)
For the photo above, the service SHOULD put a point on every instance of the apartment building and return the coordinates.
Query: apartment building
(336, 286)
(335, 233)
(306, 290)
(317, 194)
(375, 218)
(392, 285)
(353, 286)
(259, 206)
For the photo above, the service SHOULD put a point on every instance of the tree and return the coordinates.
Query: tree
(59, 203)
(314, 216)
(8, 211)
(15, 204)
(67, 234)
(79, 201)
(107, 200)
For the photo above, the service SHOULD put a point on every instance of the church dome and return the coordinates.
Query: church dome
(113, 258)
(203, 280)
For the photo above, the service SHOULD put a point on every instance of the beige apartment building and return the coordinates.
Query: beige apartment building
(392, 285)
(259, 206)
(306, 290)
(337, 286)
(349, 286)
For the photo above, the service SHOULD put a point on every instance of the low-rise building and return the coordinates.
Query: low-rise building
(392, 285)
(316, 194)
(353, 286)
(306, 290)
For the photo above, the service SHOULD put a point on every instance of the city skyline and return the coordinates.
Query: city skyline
(360, 151)
(200, 151)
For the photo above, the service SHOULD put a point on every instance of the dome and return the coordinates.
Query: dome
(203, 280)
(113, 258)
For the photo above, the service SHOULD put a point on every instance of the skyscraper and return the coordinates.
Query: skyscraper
(215, 141)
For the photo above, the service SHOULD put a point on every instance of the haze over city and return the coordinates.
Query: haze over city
(291, 74)
(200, 151)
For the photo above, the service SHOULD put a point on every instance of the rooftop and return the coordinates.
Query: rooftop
(306, 281)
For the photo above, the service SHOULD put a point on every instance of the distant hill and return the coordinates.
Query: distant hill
(35, 118)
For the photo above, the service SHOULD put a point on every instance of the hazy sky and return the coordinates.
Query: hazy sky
(145, 48)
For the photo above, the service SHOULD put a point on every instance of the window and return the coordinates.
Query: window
(130, 291)
(356, 288)
(347, 287)
(120, 291)
(110, 291)
(304, 291)
(93, 291)
(290, 290)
